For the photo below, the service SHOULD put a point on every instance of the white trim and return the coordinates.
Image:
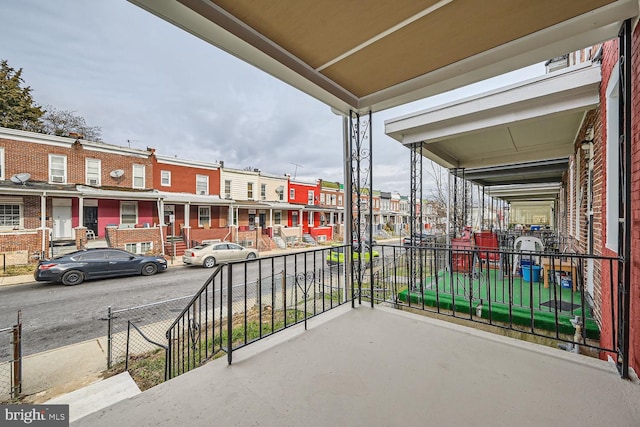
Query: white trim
(18, 201)
(129, 203)
(86, 171)
(57, 179)
(133, 175)
(208, 209)
(190, 163)
(2, 164)
(206, 183)
(612, 191)
(162, 177)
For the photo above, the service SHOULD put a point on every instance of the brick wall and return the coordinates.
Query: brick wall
(29, 242)
(118, 237)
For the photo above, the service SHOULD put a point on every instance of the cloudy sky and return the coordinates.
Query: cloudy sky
(149, 84)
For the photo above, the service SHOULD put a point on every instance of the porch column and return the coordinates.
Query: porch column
(271, 217)
(187, 222)
(80, 211)
(43, 220)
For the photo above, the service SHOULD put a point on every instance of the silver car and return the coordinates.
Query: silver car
(210, 254)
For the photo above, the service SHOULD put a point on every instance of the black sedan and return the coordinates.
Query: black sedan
(76, 267)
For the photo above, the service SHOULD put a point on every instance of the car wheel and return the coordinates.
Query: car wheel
(209, 262)
(72, 277)
(251, 256)
(149, 269)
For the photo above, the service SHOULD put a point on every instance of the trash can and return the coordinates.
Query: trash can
(527, 275)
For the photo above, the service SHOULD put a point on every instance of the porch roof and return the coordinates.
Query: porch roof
(534, 120)
(100, 193)
(370, 55)
(528, 192)
(536, 172)
(37, 188)
(195, 199)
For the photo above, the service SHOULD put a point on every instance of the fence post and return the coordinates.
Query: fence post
(17, 357)
(109, 337)
(230, 313)
(126, 357)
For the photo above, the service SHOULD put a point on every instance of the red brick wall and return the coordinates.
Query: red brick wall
(24, 156)
(183, 178)
(30, 241)
(118, 237)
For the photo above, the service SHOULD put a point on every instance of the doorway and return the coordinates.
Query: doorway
(61, 212)
(90, 218)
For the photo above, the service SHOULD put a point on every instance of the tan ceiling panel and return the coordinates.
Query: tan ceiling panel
(318, 31)
(456, 31)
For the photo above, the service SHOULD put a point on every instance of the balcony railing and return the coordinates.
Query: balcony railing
(545, 294)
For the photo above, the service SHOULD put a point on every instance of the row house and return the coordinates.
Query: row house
(54, 191)
(312, 218)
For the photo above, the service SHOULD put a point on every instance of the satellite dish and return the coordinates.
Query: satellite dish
(20, 178)
(116, 173)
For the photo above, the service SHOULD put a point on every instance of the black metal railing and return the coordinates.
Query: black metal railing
(563, 297)
(11, 361)
(243, 302)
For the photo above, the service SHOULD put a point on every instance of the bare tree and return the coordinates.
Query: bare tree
(65, 123)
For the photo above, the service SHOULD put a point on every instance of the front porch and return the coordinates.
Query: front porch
(400, 369)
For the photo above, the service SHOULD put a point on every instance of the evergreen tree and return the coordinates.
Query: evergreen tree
(17, 108)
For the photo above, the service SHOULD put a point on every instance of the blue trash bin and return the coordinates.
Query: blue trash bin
(527, 275)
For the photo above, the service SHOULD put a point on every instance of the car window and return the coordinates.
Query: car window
(220, 247)
(118, 255)
(204, 245)
(91, 256)
(233, 246)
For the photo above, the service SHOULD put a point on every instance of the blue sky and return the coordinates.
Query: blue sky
(150, 84)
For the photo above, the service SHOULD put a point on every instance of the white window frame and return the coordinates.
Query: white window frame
(64, 169)
(292, 193)
(128, 203)
(19, 202)
(165, 178)
(310, 198)
(263, 191)
(612, 168)
(2, 167)
(249, 190)
(202, 209)
(310, 217)
(202, 181)
(277, 217)
(89, 176)
(322, 198)
(339, 200)
(140, 248)
(227, 188)
(137, 175)
(333, 200)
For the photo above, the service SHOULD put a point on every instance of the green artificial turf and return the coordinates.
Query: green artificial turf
(439, 292)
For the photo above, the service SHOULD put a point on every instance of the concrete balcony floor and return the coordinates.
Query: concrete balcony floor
(384, 367)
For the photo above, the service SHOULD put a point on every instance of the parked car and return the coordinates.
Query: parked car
(336, 256)
(75, 268)
(210, 254)
(365, 240)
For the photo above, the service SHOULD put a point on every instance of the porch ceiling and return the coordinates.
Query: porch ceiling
(375, 54)
(543, 171)
(527, 192)
(533, 120)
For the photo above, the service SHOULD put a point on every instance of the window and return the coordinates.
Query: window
(165, 178)
(310, 197)
(333, 200)
(227, 189)
(2, 163)
(613, 168)
(249, 190)
(128, 213)
(204, 216)
(10, 214)
(322, 198)
(139, 248)
(138, 176)
(92, 170)
(292, 193)
(263, 191)
(339, 200)
(202, 184)
(277, 217)
(310, 219)
(57, 168)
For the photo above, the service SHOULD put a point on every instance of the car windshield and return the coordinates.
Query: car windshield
(202, 246)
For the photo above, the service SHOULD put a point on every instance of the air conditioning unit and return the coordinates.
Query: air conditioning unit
(93, 182)
(57, 178)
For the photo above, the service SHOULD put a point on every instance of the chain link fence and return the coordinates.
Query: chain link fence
(126, 326)
(11, 361)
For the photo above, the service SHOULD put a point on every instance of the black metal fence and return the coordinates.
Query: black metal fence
(547, 294)
(244, 302)
(11, 361)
